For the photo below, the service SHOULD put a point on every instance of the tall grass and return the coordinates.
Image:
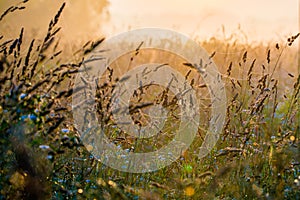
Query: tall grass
(42, 157)
(34, 90)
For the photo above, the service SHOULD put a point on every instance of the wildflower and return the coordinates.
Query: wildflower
(65, 130)
(189, 191)
(22, 96)
(23, 117)
(273, 137)
(292, 138)
(44, 147)
(32, 117)
(49, 157)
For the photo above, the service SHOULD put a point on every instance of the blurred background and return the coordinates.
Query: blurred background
(82, 20)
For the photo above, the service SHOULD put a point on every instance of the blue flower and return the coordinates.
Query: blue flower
(23, 117)
(22, 96)
(273, 137)
(32, 117)
(49, 157)
(65, 130)
(44, 147)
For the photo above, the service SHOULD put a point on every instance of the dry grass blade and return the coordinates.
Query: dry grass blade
(245, 56)
(268, 56)
(27, 58)
(11, 9)
(93, 46)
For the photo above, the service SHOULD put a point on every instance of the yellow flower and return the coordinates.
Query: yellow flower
(292, 138)
(189, 191)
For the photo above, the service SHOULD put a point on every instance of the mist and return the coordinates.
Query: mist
(80, 20)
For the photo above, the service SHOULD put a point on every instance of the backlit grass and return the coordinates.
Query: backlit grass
(42, 157)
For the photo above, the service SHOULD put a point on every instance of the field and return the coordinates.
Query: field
(42, 156)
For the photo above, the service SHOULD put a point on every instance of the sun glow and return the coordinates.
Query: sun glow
(260, 20)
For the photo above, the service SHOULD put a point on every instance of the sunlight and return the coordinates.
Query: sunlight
(204, 18)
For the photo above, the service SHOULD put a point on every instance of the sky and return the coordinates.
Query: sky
(259, 20)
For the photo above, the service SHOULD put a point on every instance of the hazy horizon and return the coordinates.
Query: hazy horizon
(259, 20)
(83, 20)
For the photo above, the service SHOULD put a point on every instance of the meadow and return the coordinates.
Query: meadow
(43, 157)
